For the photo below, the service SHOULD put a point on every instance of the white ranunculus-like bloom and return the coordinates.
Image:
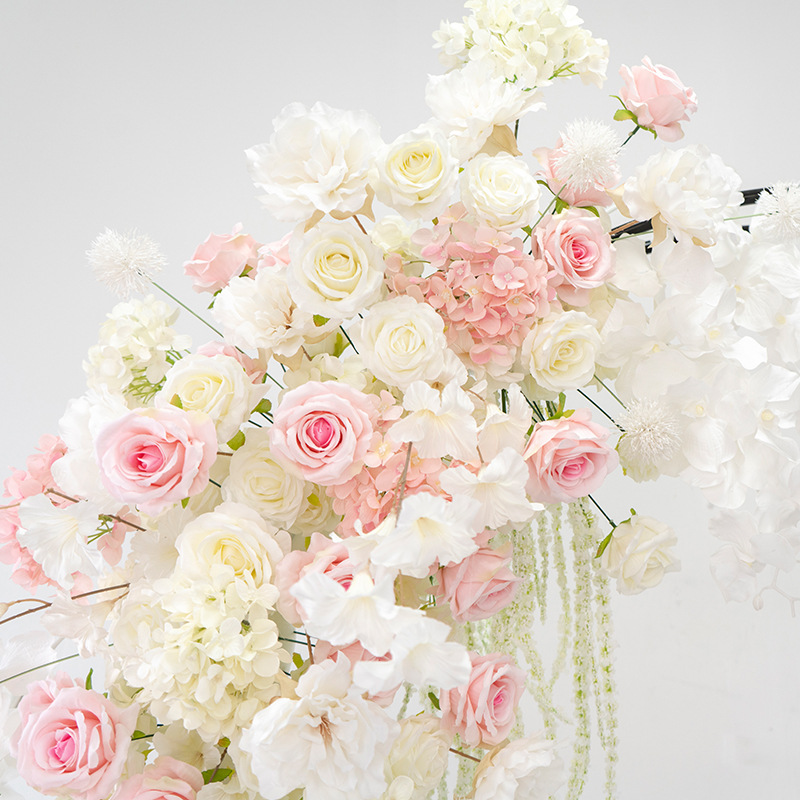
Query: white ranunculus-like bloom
(335, 270)
(560, 351)
(259, 313)
(639, 553)
(330, 740)
(261, 482)
(402, 341)
(416, 174)
(690, 191)
(525, 769)
(500, 191)
(236, 536)
(317, 160)
(216, 385)
(420, 753)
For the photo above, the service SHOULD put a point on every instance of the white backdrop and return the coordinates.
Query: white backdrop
(136, 115)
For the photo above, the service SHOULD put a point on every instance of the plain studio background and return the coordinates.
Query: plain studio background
(136, 115)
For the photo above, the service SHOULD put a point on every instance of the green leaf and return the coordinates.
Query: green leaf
(313, 500)
(264, 407)
(237, 441)
(224, 742)
(601, 548)
(560, 205)
(623, 113)
(140, 735)
(434, 700)
(319, 320)
(176, 401)
(297, 660)
(88, 682)
(340, 344)
(216, 775)
(184, 502)
(592, 209)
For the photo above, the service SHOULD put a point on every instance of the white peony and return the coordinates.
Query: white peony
(500, 191)
(317, 161)
(331, 741)
(335, 270)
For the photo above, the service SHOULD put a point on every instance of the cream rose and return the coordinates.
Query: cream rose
(560, 351)
(335, 270)
(639, 553)
(416, 174)
(500, 190)
(260, 482)
(216, 385)
(402, 341)
(419, 753)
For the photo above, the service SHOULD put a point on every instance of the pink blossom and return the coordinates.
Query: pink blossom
(165, 779)
(483, 711)
(275, 256)
(355, 653)
(220, 258)
(323, 430)
(72, 741)
(253, 369)
(154, 457)
(658, 98)
(567, 458)
(577, 251)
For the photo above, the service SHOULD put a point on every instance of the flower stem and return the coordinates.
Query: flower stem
(630, 135)
(464, 755)
(599, 508)
(41, 666)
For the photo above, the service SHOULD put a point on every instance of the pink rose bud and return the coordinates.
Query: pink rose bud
(72, 741)
(657, 97)
(165, 779)
(155, 457)
(484, 710)
(567, 458)
(220, 258)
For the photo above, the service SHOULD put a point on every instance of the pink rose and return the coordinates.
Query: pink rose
(323, 555)
(72, 741)
(480, 585)
(165, 779)
(221, 258)
(657, 97)
(154, 457)
(323, 431)
(484, 710)
(559, 184)
(567, 458)
(577, 251)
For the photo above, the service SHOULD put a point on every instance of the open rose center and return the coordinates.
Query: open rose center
(321, 432)
(149, 458)
(64, 749)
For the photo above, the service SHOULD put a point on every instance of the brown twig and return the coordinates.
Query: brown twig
(110, 516)
(46, 604)
(464, 755)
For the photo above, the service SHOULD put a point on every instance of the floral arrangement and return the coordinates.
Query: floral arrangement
(313, 554)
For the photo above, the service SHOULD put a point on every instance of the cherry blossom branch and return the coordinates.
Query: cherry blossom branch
(110, 516)
(46, 604)
(464, 755)
(402, 481)
(358, 222)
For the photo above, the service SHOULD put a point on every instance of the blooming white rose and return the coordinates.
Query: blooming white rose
(500, 190)
(416, 174)
(317, 160)
(560, 350)
(335, 270)
(393, 234)
(639, 553)
(217, 386)
(402, 341)
(420, 752)
(261, 482)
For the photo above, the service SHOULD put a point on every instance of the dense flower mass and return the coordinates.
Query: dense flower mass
(316, 554)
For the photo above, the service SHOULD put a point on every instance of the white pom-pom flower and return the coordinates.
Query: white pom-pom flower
(125, 263)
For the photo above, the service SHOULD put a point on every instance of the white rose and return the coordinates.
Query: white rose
(560, 351)
(335, 270)
(639, 553)
(402, 341)
(317, 161)
(317, 514)
(260, 482)
(500, 191)
(417, 173)
(393, 234)
(234, 536)
(217, 386)
(419, 753)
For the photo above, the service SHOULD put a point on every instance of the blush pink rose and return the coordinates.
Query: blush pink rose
(72, 741)
(658, 98)
(567, 458)
(484, 710)
(155, 457)
(220, 258)
(559, 184)
(577, 251)
(323, 431)
(165, 779)
(480, 585)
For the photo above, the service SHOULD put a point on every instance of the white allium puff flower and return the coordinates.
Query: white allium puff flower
(776, 217)
(690, 191)
(330, 740)
(125, 262)
(587, 157)
(525, 769)
(316, 162)
(651, 441)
